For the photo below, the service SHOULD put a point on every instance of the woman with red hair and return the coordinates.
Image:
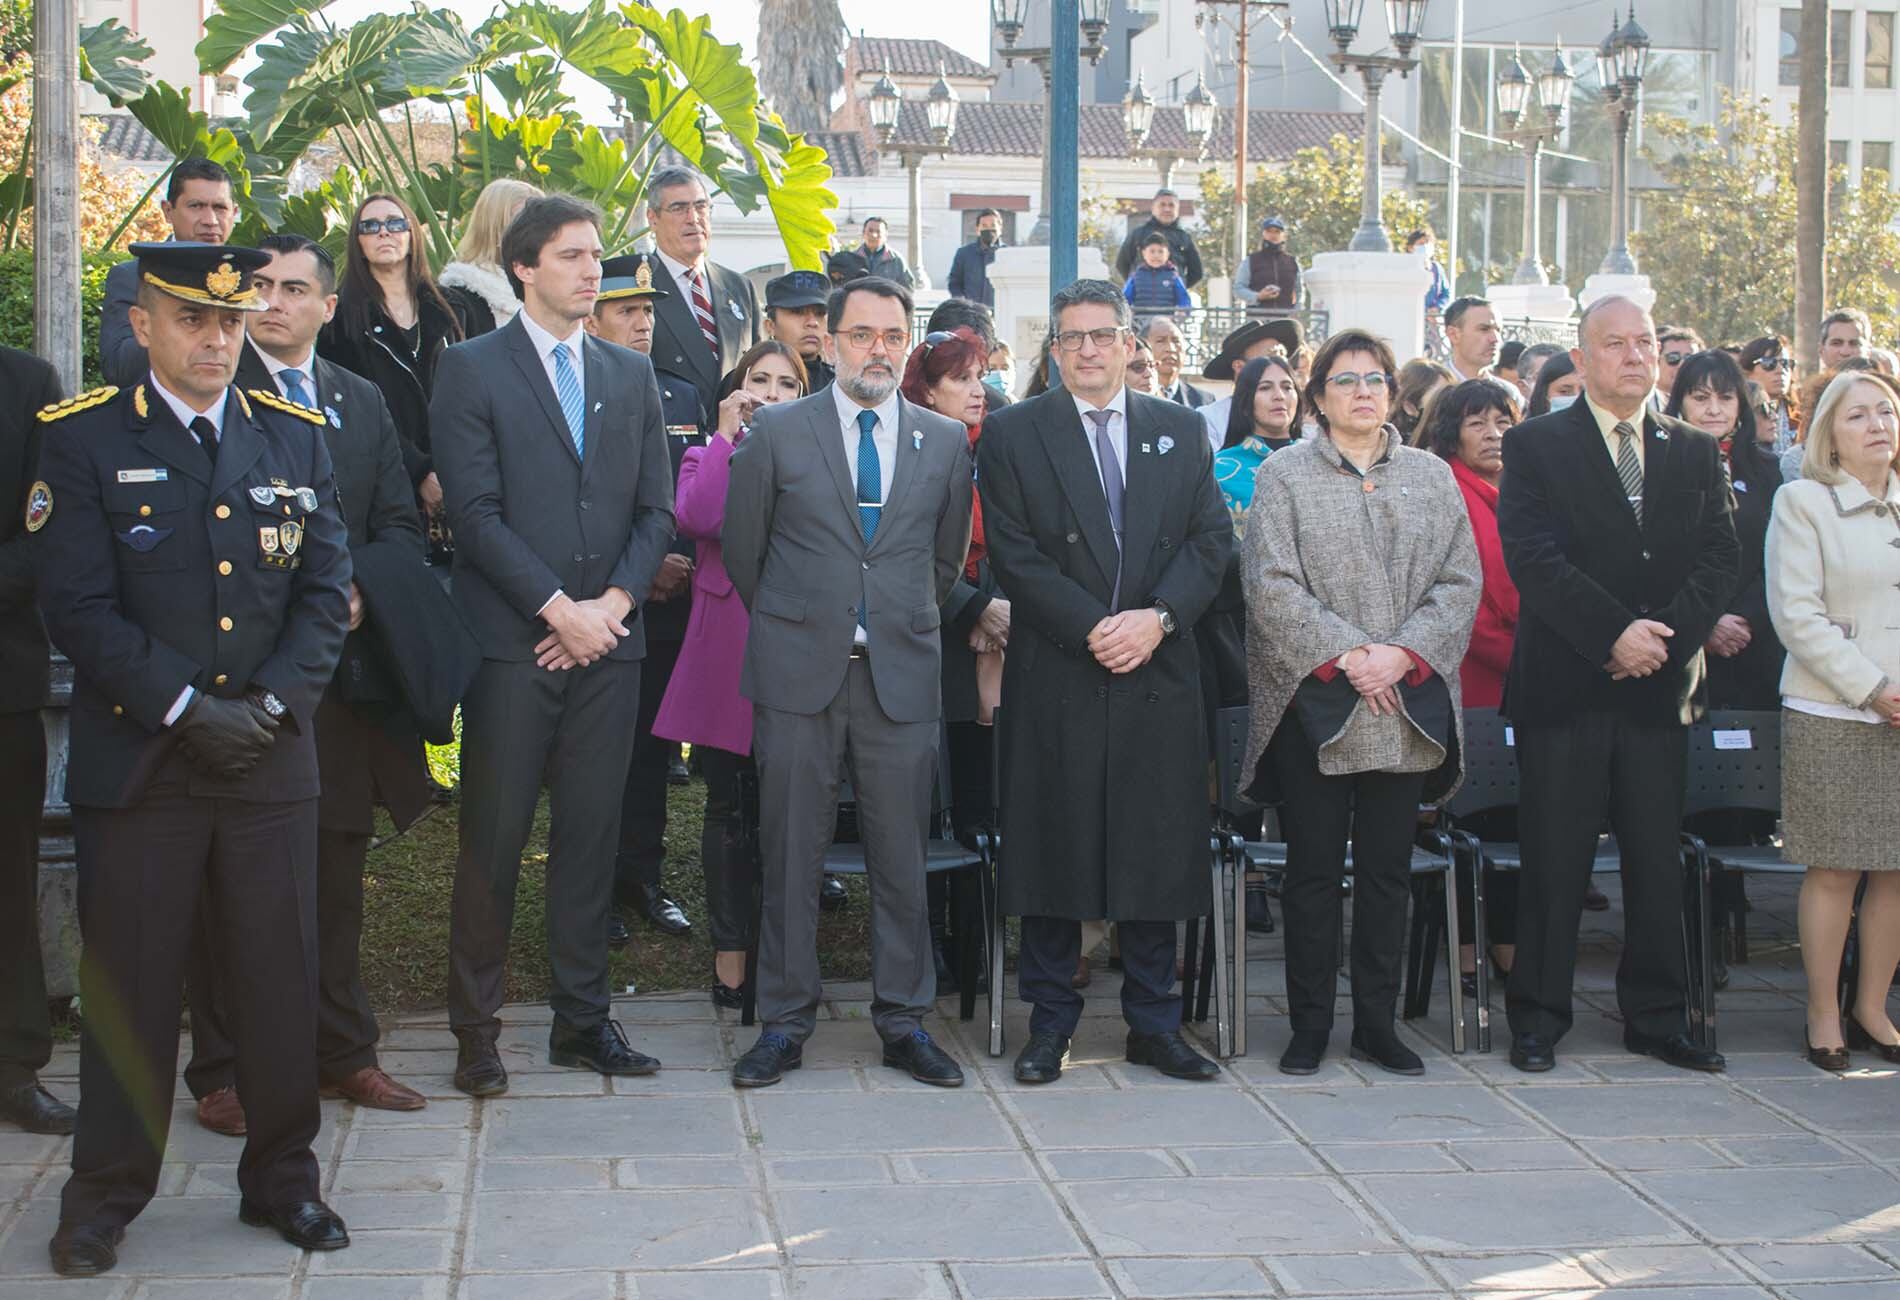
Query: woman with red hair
(945, 373)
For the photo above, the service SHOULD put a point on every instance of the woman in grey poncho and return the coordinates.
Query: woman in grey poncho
(1362, 583)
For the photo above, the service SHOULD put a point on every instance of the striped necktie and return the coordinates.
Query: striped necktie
(1628, 468)
(567, 386)
(703, 312)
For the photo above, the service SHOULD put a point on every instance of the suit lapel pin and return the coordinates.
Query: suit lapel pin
(1661, 436)
(917, 439)
(596, 408)
(1165, 446)
(738, 312)
(336, 421)
(1144, 449)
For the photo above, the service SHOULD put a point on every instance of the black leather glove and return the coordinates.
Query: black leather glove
(225, 738)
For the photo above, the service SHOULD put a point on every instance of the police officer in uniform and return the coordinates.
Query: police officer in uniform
(795, 316)
(192, 564)
(623, 314)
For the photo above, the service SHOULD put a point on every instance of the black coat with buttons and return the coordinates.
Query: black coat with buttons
(159, 570)
(1585, 569)
(1105, 803)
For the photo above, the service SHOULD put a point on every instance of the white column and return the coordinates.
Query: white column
(1383, 293)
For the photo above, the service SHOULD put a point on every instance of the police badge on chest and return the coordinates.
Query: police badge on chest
(278, 544)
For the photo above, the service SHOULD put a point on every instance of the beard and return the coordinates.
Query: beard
(873, 384)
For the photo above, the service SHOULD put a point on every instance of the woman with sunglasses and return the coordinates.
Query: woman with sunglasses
(702, 705)
(1142, 377)
(391, 326)
(1769, 362)
(1362, 581)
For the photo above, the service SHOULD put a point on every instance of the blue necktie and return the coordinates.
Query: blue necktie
(567, 386)
(870, 477)
(294, 387)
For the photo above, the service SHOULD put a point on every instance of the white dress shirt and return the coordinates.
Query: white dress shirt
(1117, 429)
(883, 435)
(182, 409)
(544, 345)
(682, 275)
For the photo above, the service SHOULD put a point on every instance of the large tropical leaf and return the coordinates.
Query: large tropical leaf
(592, 40)
(278, 83)
(801, 202)
(531, 84)
(166, 112)
(110, 59)
(715, 72)
(240, 24)
(431, 55)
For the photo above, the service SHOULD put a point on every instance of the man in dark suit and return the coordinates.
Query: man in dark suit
(843, 665)
(192, 565)
(26, 1031)
(1169, 349)
(1617, 529)
(1104, 526)
(552, 452)
(366, 752)
(199, 207)
(710, 315)
(623, 313)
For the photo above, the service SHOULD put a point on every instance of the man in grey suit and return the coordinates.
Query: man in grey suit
(199, 207)
(552, 452)
(843, 666)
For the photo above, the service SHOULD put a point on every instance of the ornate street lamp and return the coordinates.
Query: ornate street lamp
(1622, 59)
(1138, 113)
(1405, 19)
(1009, 17)
(1197, 110)
(1532, 114)
(886, 104)
(1056, 224)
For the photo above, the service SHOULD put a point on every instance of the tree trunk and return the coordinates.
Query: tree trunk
(1811, 182)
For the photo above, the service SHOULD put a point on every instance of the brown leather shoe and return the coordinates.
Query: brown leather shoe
(222, 1112)
(371, 1087)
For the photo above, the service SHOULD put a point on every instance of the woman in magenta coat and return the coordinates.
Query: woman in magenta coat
(702, 705)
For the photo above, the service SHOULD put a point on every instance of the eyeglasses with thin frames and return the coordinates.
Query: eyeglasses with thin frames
(1104, 338)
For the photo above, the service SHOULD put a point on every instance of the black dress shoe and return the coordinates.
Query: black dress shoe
(1832, 1059)
(664, 914)
(832, 895)
(1595, 900)
(1385, 1051)
(36, 1110)
(1533, 1053)
(311, 1225)
(1861, 1041)
(726, 997)
(603, 1049)
(1259, 915)
(84, 1249)
(676, 773)
(1677, 1049)
(1042, 1058)
(1170, 1054)
(478, 1068)
(618, 935)
(1305, 1052)
(766, 1061)
(926, 1062)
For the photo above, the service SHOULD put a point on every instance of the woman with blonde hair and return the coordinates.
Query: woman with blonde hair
(474, 283)
(1830, 567)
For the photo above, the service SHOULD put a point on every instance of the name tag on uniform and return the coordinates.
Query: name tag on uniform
(683, 430)
(144, 475)
(1743, 739)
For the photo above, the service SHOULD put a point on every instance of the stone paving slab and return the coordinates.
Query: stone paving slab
(1611, 1178)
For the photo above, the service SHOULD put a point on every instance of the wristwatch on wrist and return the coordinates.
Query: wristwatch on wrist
(269, 703)
(1167, 617)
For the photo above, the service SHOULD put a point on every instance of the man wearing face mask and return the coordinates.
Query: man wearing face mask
(970, 269)
(1269, 280)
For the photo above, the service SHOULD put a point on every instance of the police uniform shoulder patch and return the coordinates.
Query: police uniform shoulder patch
(244, 405)
(74, 405)
(39, 506)
(267, 398)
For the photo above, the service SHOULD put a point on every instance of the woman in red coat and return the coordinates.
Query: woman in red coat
(1467, 429)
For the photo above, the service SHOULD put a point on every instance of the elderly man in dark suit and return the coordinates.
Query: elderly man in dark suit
(843, 666)
(199, 207)
(710, 315)
(26, 1031)
(1104, 526)
(552, 452)
(1617, 528)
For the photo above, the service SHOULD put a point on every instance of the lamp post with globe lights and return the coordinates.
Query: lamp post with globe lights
(1622, 59)
(886, 103)
(1138, 119)
(1404, 19)
(1531, 111)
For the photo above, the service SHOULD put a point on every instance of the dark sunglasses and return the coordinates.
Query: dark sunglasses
(935, 337)
(1774, 363)
(1676, 358)
(377, 225)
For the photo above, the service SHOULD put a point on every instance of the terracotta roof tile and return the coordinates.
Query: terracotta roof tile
(913, 58)
(1014, 129)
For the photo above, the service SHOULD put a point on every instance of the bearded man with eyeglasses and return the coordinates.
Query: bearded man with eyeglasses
(847, 524)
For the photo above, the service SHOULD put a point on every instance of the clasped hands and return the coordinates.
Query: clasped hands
(582, 630)
(1375, 671)
(991, 632)
(1124, 642)
(1641, 650)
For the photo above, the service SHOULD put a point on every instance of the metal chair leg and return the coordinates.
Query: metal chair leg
(1239, 859)
(993, 924)
(1473, 852)
(1454, 990)
(1221, 975)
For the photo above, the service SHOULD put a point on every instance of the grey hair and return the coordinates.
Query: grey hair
(1078, 292)
(1145, 327)
(1589, 313)
(668, 178)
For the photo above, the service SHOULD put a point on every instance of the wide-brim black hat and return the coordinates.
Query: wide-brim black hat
(1284, 328)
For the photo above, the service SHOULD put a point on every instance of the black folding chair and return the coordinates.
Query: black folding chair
(1257, 861)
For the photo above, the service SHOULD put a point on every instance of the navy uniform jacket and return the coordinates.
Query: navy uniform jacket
(158, 571)
(680, 407)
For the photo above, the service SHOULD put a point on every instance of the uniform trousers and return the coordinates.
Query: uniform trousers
(523, 725)
(1569, 772)
(801, 759)
(1045, 969)
(643, 806)
(26, 1031)
(149, 875)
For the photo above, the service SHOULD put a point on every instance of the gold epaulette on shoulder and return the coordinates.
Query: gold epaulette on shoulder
(73, 405)
(288, 407)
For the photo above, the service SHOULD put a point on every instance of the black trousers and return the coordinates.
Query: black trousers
(1051, 945)
(728, 855)
(1378, 812)
(1569, 773)
(643, 806)
(148, 876)
(26, 1031)
(521, 726)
